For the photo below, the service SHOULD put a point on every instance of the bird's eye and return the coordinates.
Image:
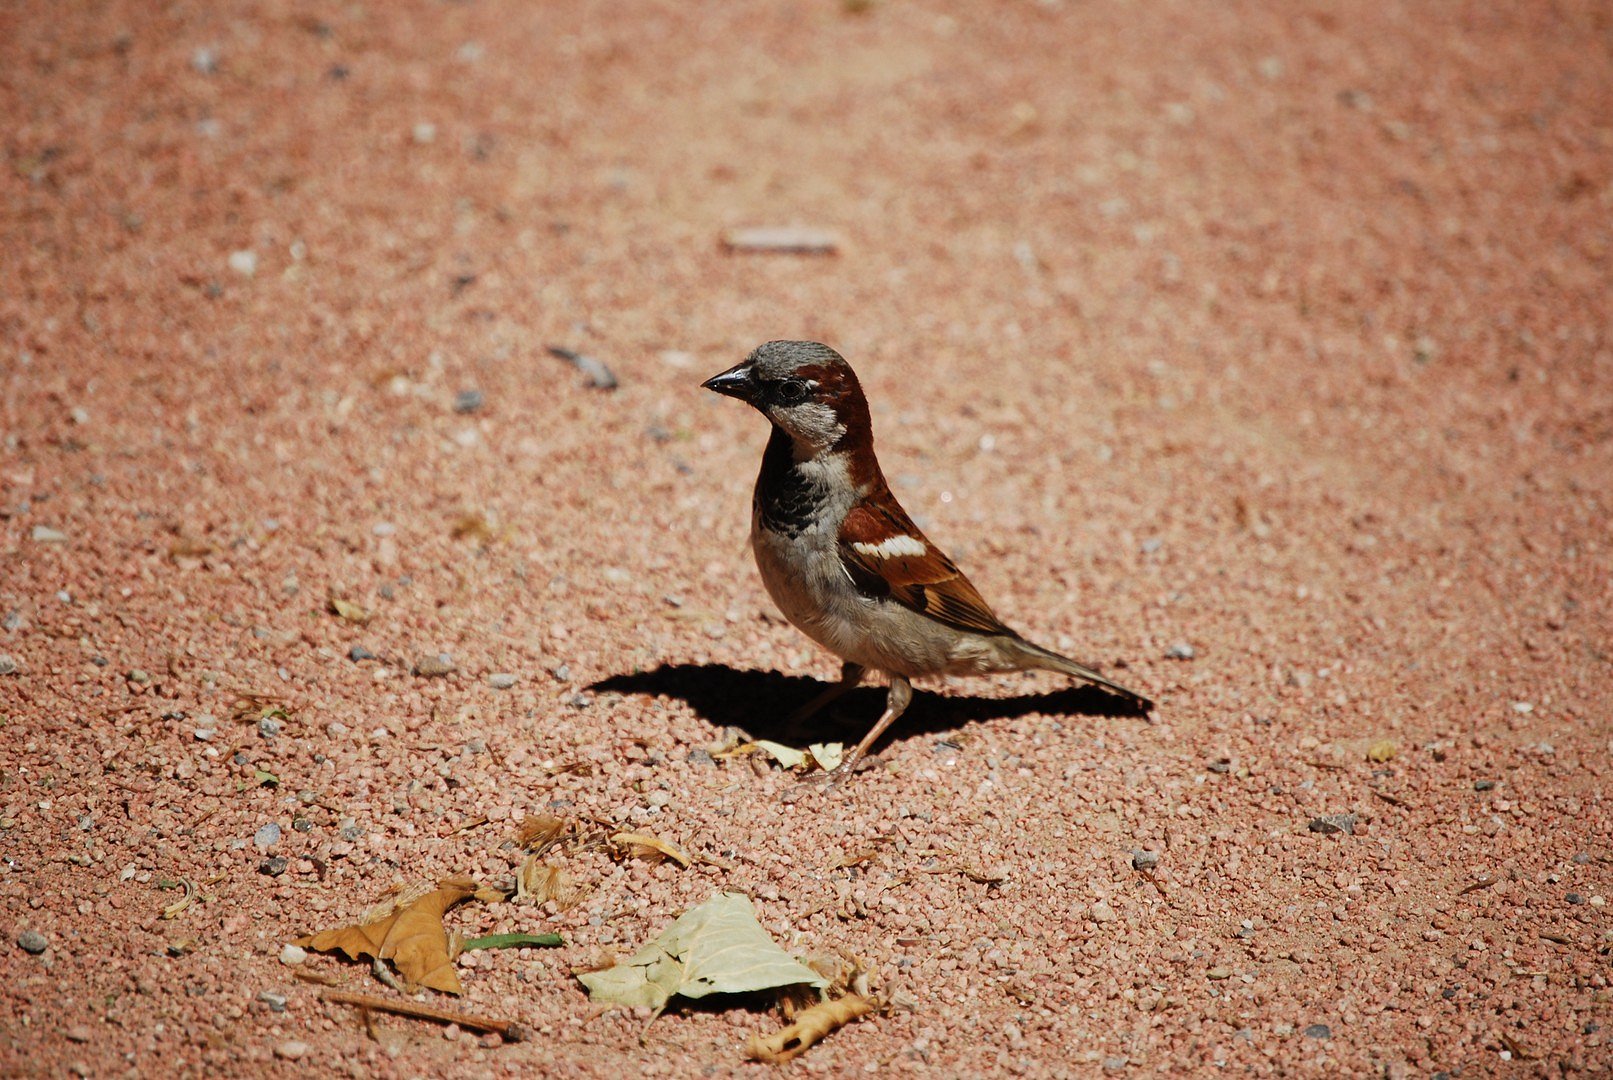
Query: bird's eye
(792, 391)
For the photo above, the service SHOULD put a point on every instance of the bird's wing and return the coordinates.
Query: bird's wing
(886, 555)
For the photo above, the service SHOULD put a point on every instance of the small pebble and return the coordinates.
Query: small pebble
(1115, 1064)
(1180, 651)
(8, 666)
(435, 667)
(44, 534)
(292, 1050)
(468, 401)
(502, 680)
(269, 727)
(359, 652)
(268, 836)
(1144, 860)
(276, 1002)
(244, 262)
(1329, 824)
(33, 942)
(1318, 1031)
(701, 756)
(1575, 898)
(205, 60)
(1101, 912)
(274, 866)
(79, 1033)
(292, 955)
(139, 676)
(1484, 785)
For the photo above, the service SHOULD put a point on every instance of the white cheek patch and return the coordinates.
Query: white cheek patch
(892, 547)
(814, 426)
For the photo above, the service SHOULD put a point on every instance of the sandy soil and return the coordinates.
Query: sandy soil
(1257, 350)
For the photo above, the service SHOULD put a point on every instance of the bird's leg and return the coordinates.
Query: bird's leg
(850, 675)
(896, 702)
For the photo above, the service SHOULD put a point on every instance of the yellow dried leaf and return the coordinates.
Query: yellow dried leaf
(411, 935)
(809, 1028)
(1381, 751)
(349, 611)
(651, 848)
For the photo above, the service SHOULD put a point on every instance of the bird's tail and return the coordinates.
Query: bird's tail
(1035, 657)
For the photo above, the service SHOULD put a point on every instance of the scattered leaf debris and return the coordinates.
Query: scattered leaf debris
(809, 1028)
(541, 832)
(650, 848)
(543, 881)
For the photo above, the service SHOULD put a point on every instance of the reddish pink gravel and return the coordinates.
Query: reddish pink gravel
(1257, 351)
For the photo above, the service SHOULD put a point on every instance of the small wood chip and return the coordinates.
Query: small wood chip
(782, 240)
(600, 377)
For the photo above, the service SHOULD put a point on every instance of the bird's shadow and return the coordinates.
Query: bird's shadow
(760, 703)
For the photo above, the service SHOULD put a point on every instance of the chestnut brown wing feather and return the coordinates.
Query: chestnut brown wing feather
(930, 584)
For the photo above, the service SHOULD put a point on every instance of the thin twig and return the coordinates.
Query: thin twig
(509, 1030)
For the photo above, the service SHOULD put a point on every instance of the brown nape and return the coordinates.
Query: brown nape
(838, 386)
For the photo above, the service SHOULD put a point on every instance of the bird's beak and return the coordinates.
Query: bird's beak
(736, 382)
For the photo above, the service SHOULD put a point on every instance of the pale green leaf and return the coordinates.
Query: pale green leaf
(827, 755)
(717, 948)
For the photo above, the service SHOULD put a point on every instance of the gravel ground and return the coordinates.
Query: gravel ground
(1259, 351)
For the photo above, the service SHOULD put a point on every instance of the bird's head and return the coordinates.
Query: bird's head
(807, 390)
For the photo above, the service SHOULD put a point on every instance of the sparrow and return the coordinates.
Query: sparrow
(841, 558)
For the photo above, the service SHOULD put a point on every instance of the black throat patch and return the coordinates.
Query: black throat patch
(786, 500)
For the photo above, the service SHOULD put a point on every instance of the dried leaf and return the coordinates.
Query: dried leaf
(1381, 751)
(349, 611)
(190, 547)
(650, 848)
(471, 527)
(540, 833)
(810, 1027)
(411, 935)
(543, 881)
(717, 948)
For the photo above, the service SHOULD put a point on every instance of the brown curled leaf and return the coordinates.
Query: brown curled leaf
(410, 934)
